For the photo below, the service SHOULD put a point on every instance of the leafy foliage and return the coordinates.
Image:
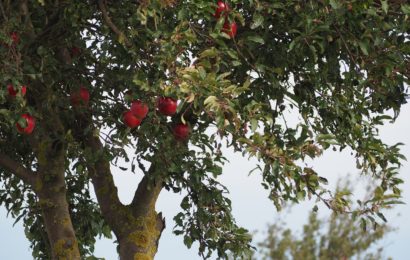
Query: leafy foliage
(340, 66)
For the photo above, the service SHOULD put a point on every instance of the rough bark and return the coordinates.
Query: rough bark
(141, 240)
(51, 191)
(24, 174)
(58, 225)
(137, 226)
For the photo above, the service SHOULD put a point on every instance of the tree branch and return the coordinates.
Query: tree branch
(26, 175)
(105, 189)
(110, 23)
(147, 193)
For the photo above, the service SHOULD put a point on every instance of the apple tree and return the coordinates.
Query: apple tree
(160, 87)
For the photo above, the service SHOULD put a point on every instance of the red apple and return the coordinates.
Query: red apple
(167, 106)
(13, 92)
(130, 119)
(139, 109)
(82, 96)
(30, 124)
(181, 131)
(23, 90)
(223, 8)
(75, 52)
(15, 38)
(230, 28)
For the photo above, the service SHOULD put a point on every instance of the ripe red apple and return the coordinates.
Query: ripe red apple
(30, 124)
(82, 96)
(15, 38)
(23, 90)
(139, 109)
(181, 131)
(13, 92)
(230, 28)
(75, 52)
(167, 106)
(222, 8)
(130, 119)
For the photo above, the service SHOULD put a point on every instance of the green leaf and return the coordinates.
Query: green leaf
(256, 38)
(188, 241)
(385, 6)
(364, 47)
(257, 21)
(254, 124)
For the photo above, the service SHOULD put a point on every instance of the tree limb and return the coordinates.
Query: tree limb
(103, 182)
(147, 193)
(110, 23)
(26, 175)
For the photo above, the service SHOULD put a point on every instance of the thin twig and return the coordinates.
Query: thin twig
(110, 23)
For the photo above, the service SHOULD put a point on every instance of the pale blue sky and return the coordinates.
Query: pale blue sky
(251, 207)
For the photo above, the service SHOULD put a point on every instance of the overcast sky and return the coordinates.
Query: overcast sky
(251, 207)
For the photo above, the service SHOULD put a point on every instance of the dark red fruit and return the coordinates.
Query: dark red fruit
(230, 28)
(139, 109)
(30, 124)
(13, 92)
(82, 96)
(15, 38)
(181, 131)
(223, 8)
(23, 90)
(167, 106)
(75, 52)
(130, 119)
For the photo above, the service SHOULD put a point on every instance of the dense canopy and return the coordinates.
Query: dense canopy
(87, 87)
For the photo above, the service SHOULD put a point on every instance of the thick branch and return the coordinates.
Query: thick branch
(147, 193)
(111, 24)
(26, 175)
(105, 189)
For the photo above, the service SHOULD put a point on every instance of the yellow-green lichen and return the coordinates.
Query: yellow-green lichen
(62, 252)
(66, 222)
(38, 186)
(140, 256)
(145, 235)
(139, 238)
(42, 155)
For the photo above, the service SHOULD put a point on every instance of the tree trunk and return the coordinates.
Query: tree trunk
(59, 227)
(141, 241)
(51, 190)
(137, 226)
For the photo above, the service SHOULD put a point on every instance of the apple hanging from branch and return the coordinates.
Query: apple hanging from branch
(167, 106)
(230, 28)
(13, 92)
(139, 109)
(28, 127)
(80, 97)
(181, 131)
(75, 52)
(222, 8)
(15, 38)
(130, 119)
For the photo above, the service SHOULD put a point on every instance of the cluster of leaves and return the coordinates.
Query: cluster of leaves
(342, 66)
